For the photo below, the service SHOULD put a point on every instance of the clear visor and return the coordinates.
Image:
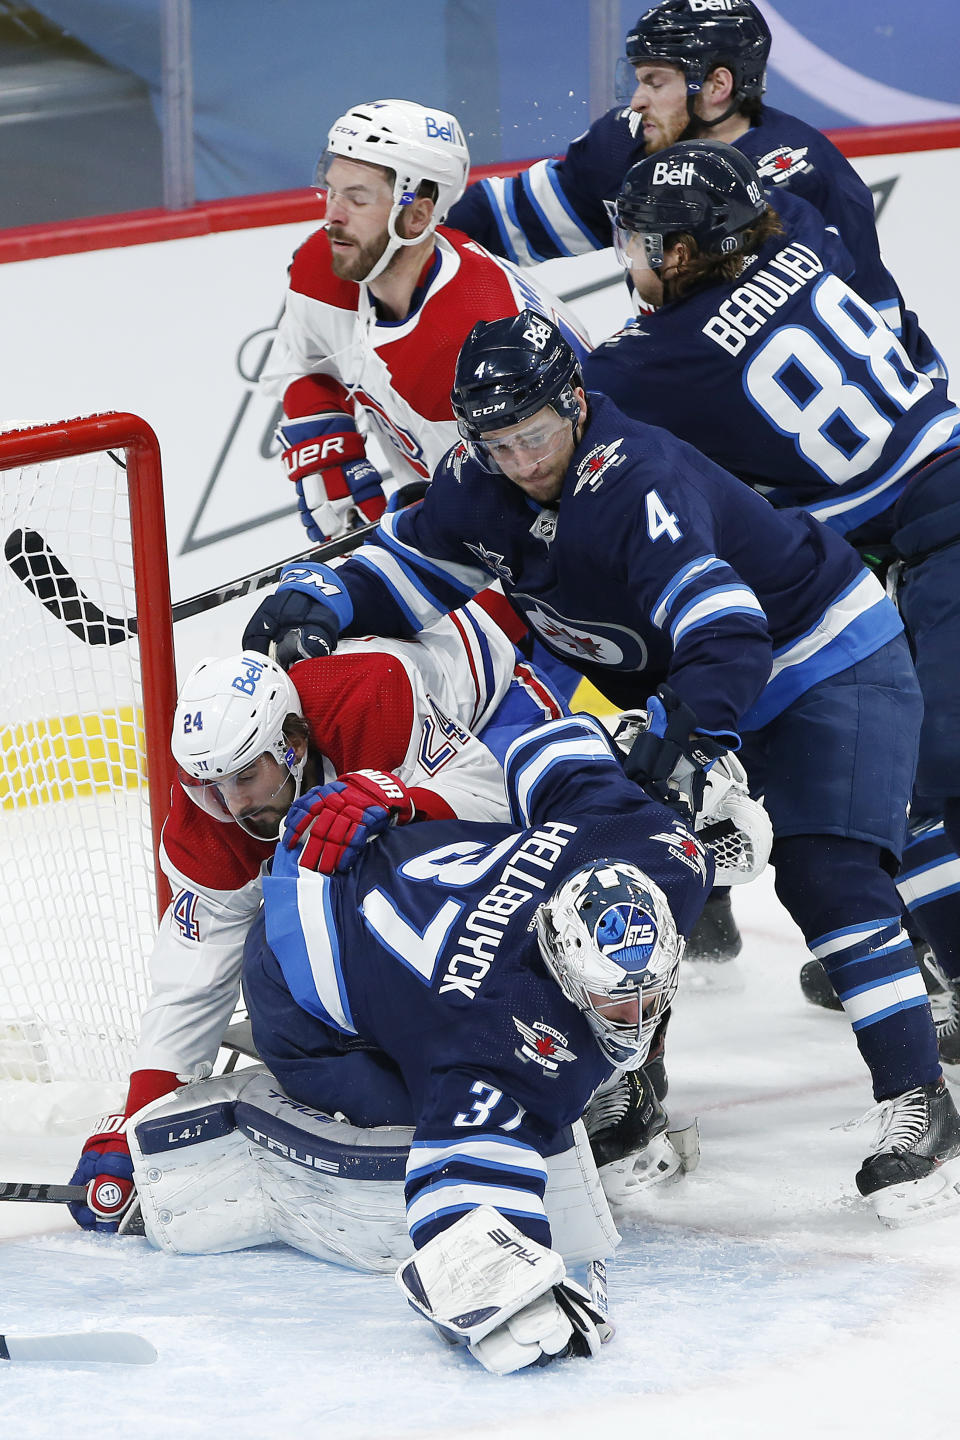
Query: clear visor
(252, 796)
(638, 250)
(624, 81)
(356, 189)
(521, 449)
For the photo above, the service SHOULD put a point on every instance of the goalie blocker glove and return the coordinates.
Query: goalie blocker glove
(333, 822)
(337, 487)
(672, 756)
(303, 617)
(484, 1284)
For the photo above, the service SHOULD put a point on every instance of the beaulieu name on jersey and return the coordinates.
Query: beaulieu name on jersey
(751, 305)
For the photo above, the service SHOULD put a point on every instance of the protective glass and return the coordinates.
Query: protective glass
(242, 795)
(526, 446)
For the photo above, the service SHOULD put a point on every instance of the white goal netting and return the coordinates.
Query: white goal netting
(77, 877)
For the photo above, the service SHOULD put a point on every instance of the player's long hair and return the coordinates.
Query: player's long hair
(702, 269)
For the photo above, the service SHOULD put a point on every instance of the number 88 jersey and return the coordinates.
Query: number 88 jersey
(788, 379)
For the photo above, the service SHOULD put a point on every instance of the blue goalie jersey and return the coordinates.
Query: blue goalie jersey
(426, 951)
(656, 565)
(556, 206)
(788, 379)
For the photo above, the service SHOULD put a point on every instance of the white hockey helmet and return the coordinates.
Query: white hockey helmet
(229, 714)
(415, 142)
(609, 940)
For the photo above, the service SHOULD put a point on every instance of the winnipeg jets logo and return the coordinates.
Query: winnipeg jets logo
(490, 560)
(543, 1045)
(783, 163)
(596, 463)
(686, 848)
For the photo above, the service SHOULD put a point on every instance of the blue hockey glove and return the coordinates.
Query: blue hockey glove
(670, 759)
(107, 1171)
(303, 617)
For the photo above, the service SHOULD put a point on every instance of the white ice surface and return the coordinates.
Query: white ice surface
(757, 1298)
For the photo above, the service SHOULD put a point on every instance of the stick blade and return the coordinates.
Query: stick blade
(102, 1347)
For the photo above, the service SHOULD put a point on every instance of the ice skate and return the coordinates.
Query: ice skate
(632, 1140)
(948, 1029)
(914, 1175)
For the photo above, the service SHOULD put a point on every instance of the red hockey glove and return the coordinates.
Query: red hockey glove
(335, 821)
(105, 1166)
(337, 487)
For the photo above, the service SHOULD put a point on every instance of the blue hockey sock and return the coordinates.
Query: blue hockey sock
(929, 885)
(847, 906)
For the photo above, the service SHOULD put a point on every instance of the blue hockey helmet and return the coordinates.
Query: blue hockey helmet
(696, 187)
(608, 938)
(511, 368)
(698, 35)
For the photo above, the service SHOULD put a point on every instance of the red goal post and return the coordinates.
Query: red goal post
(85, 766)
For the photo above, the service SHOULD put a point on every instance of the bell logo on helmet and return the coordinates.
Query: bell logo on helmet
(664, 173)
(436, 131)
(697, 7)
(538, 334)
(247, 683)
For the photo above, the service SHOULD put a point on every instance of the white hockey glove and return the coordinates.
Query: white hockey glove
(482, 1283)
(733, 826)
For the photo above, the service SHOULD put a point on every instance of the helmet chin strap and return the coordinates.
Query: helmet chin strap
(395, 242)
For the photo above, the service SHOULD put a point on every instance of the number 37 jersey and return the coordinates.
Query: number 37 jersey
(787, 378)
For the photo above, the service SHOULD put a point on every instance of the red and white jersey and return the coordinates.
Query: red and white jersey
(398, 374)
(407, 706)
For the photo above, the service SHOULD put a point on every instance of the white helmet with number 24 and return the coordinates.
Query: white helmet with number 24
(230, 713)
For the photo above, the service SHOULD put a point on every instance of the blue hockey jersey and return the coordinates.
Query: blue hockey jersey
(556, 206)
(426, 950)
(786, 378)
(656, 565)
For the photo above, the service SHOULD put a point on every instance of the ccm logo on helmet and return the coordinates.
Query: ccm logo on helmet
(435, 131)
(489, 409)
(664, 174)
(247, 683)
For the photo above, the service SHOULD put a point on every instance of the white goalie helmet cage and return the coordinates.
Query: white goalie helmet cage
(608, 938)
(229, 713)
(414, 141)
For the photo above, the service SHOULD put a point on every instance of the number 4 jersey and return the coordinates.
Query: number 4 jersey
(788, 379)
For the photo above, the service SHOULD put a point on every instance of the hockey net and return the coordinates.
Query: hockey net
(88, 694)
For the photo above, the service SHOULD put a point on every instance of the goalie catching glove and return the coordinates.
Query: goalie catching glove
(670, 757)
(333, 822)
(483, 1284)
(337, 487)
(733, 826)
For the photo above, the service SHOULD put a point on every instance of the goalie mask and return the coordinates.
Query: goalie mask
(416, 143)
(228, 741)
(609, 940)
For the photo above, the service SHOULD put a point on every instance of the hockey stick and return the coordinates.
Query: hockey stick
(116, 1347)
(131, 1223)
(45, 576)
